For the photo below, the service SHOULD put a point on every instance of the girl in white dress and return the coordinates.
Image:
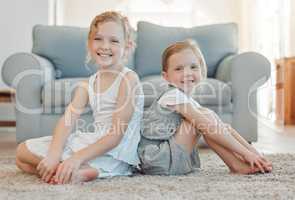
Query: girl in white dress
(115, 96)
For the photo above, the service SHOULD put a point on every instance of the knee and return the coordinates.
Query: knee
(24, 166)
(21, 149)
(188, 128)
(19, 164)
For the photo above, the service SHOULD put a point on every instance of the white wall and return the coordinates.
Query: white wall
(17, 17)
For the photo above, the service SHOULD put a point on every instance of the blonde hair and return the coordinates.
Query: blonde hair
(111, 16)
(182, 45)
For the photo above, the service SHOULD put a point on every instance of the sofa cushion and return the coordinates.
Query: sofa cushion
(60, 110)
(66, 48)
(58, 93)
(209, 93)
(215, 41)
(152, 86)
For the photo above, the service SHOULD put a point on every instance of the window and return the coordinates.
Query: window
(184, 13)
(267, 31)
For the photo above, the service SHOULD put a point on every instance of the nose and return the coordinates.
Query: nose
(105, 44)
(188, 71)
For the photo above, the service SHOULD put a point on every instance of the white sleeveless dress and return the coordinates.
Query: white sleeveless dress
(116, 162)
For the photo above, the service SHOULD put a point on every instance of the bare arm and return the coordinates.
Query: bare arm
(121, 116)
(47, 167)
(205, 121)
(235, 134)
(66, 122)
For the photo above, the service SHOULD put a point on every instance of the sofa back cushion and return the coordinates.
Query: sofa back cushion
(66, 48)
(215, 41)
(57, 94)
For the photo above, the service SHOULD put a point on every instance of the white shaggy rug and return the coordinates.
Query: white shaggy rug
(213, 181)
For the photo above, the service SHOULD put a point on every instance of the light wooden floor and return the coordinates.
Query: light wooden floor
(275, 139)
(271, 139)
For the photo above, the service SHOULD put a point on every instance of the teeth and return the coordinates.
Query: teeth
(104, 55)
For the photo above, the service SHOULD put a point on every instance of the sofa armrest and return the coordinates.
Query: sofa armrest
(27, 73)
(248, 72)
(223, 72)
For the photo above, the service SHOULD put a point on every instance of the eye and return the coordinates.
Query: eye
(194, 66)
(179, 68)
(115, 41)
(98, 38)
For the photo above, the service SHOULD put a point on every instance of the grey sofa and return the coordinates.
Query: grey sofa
(45, 78)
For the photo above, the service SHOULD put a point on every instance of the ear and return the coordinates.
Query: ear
(128, 49)
(165, 75)
(129, 46)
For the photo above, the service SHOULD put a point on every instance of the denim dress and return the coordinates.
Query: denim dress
(158, 152)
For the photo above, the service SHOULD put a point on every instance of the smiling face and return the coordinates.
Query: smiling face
(184, 70)
(107, 45)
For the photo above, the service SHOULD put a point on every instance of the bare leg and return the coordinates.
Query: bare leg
(186, 136)
(25, 160)
(234, 163)
(28, 168)
(227, 129)
(86, 174)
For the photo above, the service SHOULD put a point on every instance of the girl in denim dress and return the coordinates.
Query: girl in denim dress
(175, 121)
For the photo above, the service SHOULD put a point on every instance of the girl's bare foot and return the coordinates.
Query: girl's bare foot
(244, 168)
(84, 175)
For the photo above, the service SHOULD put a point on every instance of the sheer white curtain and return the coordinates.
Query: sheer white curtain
(266, 29)
(165, 12)
(268, 26)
